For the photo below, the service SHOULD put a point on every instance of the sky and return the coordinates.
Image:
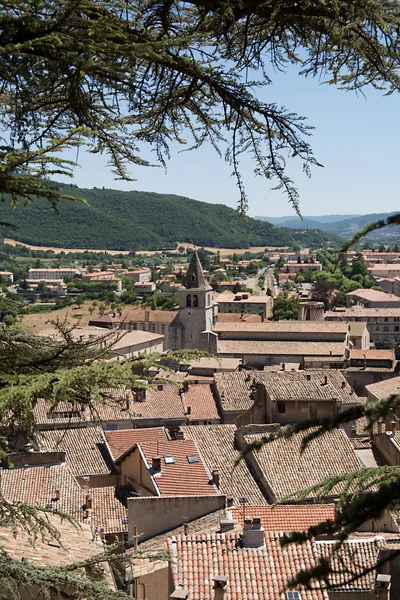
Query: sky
(356, 138)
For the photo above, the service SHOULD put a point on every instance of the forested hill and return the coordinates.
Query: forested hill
(117, 220)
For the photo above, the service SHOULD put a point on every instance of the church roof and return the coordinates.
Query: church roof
(195, 276)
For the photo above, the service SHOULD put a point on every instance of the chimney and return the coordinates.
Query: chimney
(262, 317)
(88, 502)
(394, 424)
(226, 525)
(308, 377)
(283, 366)
(135, 538)
(229, 502)
(353, 431)
(219, 586)
(188, 409)
(215, 477)
(156, 464)
(147, 316)
(365, 361)
(179, 594)
(186, 528)
(253, 533)
(325, 379)
(343, 385)
(382, 587)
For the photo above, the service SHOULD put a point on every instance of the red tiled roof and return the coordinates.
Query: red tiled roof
(109, 508)
(155, 316)
(263, 573)
(201, 400)
(37, 486)
(120, 441)
(286, 517)
(180, 478)
(235, 317)
(372, 354)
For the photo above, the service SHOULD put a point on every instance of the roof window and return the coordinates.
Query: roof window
(192, 458)
(169, 460)
(293, 596)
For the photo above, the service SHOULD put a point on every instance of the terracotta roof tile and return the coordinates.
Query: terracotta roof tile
(216, 444)
(236, 317)
(234, 390)
(283, 326)
(286, 517)
(324, 384)
(372, 354)
(120, 441)
(109, 508)
(201, 400)
(180, 478)
(142, 316)
(385, 388)
(84, 447)
(261, 573)
(239, 347)
(287, 469)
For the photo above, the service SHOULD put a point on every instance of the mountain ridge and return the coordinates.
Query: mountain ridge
(120, 220)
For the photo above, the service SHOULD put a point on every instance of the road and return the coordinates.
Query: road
(252, 282)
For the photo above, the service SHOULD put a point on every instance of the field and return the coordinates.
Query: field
(37, 322)
(222, 251)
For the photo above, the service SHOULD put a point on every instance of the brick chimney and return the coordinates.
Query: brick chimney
(188, 409)
(156, 464)
(219, 586)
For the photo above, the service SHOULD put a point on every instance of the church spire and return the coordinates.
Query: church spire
(195, 275)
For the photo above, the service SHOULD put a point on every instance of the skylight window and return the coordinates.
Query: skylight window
(169, 460)
(192, 458)
(293, 596)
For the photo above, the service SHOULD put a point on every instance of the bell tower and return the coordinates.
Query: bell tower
(197, 311)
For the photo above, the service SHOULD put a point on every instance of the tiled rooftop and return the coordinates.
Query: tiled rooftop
(118, 404)
(154, 316)
(286, 517)
(179, 478)
(84, 448)
(120, 441)
(286, 469)
(260, 573)
(201, 400)
(234, 390)
(372, 354)
(283, 326)
(375, 295)
(216, 444)
(324, 384)
(236, 347)
(77, 544)
(360, 311)
(384, 389)
(235, 317)
(38, 485)
(109, 508)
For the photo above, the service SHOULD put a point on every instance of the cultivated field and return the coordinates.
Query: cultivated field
(222, 251)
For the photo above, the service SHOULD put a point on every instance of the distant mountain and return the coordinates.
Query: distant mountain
(118, 220)
(344, 226)
(349, 227)
(297, 222)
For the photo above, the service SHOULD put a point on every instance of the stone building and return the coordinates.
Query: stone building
(192, 327)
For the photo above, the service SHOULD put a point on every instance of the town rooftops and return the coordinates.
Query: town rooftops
(118, 442)
(283, 326)
(372, 354)
(242, 298)
(384, 389)
(217, 446)
(235, 317)
(286, 517)
(84, 449)
(264, 572)
(287, 469)
(324, 384)
(280, 348)
(115, 339)
(109, 508)
(384, 266)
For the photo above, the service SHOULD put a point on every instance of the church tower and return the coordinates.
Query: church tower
(192, 327)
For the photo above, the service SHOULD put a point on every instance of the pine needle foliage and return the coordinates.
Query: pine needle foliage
(118, 75)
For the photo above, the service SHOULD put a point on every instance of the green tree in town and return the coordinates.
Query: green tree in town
(285, 306)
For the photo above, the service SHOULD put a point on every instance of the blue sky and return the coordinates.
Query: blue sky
(356, 139)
